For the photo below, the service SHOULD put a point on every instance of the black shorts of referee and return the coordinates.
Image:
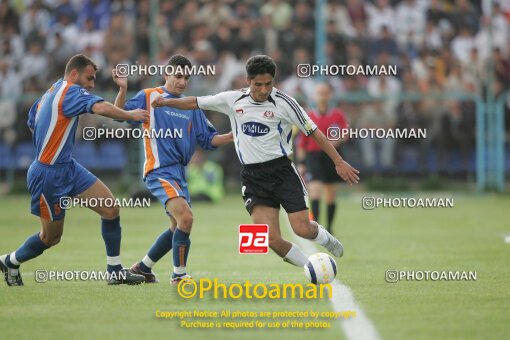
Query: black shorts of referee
(319, 167)
(274, 183)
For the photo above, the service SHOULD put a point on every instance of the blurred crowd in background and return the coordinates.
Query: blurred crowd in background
(438, 47)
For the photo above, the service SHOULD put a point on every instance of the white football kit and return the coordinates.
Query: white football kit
(262, 130)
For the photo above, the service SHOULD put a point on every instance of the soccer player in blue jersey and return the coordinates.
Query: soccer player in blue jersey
(53, 120)
(165, 161)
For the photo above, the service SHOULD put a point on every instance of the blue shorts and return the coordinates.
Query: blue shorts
(167, 183)
(48, 183)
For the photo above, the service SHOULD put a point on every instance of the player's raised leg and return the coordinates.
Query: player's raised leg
(181, 211)
(46, 186)
(312, 230)
(35, 245)
(285, 249)
(112, 234)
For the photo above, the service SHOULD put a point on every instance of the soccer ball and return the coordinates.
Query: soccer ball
(320, 268)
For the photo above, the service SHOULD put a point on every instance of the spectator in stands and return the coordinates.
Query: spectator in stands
(8, 16)
(462, 44)
(436, 12)
(118, 41)
(357, 11)
(384, 44)
(36, 20)
(410, 23)
(474, 70)
(10, 92)
(280, 12)
(64, 8)
(90, 37)
(377, 115)
(380, 16)
(465, 16)
(337, 13)
(34, 65)
(97, 10)
(59, 51)
(213, 13)
(502, 67)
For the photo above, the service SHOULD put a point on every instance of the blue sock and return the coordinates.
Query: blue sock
(32, 247)
(181, 243)
(111, 231)
(160, 248)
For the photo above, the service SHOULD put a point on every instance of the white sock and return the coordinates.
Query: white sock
(179, 270)
(13, 259)
(113, 260)
(148, 262)
(322, 235)
(295, 256)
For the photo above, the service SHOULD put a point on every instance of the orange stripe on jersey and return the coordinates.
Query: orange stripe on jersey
(150, 160)
(58, 132)
(182, 250)
(44, 209)
(189, 128)
(149, 156)
(170, 190)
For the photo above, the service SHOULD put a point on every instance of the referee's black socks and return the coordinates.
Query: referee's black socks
(331, 215)
(315, 209)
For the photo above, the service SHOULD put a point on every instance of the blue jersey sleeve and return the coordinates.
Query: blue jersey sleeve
(78, 100)
(137, 102)
(204, 130)
(31, 114)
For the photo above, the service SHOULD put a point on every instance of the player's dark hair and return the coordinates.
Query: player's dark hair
(260, 64)
(179, 60)
(79, 62)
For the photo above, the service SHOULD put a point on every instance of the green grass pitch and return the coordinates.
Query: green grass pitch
(468, 237)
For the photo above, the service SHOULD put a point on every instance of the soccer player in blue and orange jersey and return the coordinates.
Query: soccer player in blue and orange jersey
(54, 174)
(165, 161)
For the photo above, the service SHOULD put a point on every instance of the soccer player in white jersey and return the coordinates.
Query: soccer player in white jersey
(262, 118)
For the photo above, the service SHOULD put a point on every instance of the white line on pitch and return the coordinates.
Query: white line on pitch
(507, 238)
(358, 327)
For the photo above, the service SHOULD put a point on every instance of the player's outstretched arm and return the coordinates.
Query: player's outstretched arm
(186, 103)
(220, 140)
(109, 110)
(343, 169)
(122, 82)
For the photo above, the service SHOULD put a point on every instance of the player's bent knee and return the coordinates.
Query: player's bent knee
(51, 239)
(110, 213)
(305, 229)
(275, 242)
(185, 222)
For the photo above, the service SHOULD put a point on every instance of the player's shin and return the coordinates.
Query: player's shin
(32, 248)
(111, 231)
(160, 248)
(295, 256)
(181, 245)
